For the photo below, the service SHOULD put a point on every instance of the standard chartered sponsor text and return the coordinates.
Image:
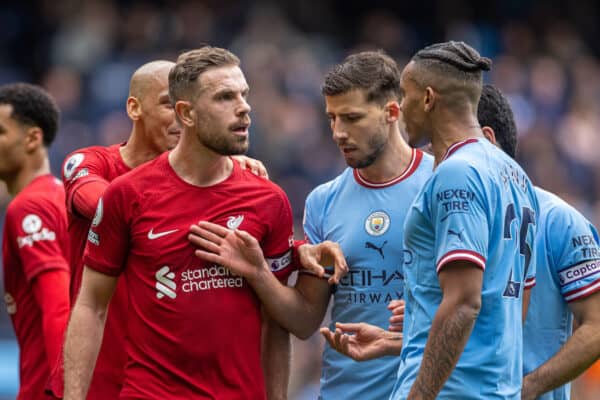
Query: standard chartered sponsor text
(214, 277)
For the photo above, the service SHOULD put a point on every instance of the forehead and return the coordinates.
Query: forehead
(353, 100)
(407, 73)
(223, 78)
(6, 114)
(158, 83)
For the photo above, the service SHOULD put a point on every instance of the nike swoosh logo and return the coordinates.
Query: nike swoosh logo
(152, 235)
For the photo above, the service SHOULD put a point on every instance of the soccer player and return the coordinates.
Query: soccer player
(86, 174)
(193, 329)
(363, 210)
(470, 234)
(35, 242)
(567, 276)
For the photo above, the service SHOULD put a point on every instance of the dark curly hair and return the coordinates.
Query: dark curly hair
(32, 105)
(494, 111)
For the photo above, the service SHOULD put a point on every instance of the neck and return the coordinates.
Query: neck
(392, 162)
(450, 130)
(138, 148)
(198, 165)
(37, 166)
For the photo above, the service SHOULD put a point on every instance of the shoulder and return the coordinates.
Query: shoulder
(36, 203)
(146, 175)
(458, 169)
(261, 189)
(43, 190)
(324, 191)
(557, 213)
(93, 156)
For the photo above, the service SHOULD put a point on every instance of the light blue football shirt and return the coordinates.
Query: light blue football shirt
(366, 219)
(478, 206)
(568, 269)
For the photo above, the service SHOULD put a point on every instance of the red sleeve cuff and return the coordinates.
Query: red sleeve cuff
(582, 292)
(462, 255)
(102, 268)
(529, 283)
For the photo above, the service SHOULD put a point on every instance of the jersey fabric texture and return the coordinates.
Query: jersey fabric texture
(193, 328)
(568, 269)
(478, 206)
(82, 167)
(34, 241)
(367, 220)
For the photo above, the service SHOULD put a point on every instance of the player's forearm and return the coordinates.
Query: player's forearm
(84, 337)
(276, 359)
(286, 305)
(450, 331)
(392, 343)
(578, 353)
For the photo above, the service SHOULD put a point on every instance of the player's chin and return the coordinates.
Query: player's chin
(239, 148)
(415, 140)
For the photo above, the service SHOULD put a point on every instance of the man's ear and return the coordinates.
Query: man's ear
(429, 99)
(34, 138)
(185, 112)
(134, 108)
(489, 134)
(392, 111)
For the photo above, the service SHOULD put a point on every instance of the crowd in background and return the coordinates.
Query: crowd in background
(546, 60)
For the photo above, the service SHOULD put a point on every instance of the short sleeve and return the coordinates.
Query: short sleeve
(575, 253)
(80, 168)
(109, 235)
(311, 222)
(459, 217)
(38, 228)
(278, 243)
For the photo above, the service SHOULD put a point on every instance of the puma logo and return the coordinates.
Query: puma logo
(457, 234)
(371, 246)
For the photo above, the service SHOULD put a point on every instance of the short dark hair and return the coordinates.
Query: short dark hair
(495, 112)
(454, 66)
(32, 105)
(372, 71)
(191, 64)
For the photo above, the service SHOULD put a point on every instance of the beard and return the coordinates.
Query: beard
(223, 141)
(376, 146)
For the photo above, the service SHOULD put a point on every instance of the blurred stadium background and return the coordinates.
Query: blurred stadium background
(546, 60)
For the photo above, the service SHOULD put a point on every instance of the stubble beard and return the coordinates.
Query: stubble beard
(223, 145)
(376, 146)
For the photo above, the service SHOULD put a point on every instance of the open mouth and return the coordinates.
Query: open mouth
(240, 128)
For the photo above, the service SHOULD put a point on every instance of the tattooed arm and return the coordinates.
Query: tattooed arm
(461, 283)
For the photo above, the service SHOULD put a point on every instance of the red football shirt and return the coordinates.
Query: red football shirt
(34, 241)
(82, 167)
(193, 328)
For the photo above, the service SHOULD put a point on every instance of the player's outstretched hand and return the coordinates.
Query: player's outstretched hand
(397, 318)
(314, 257)
(255, 166)
(237, 250)
(361, 341)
